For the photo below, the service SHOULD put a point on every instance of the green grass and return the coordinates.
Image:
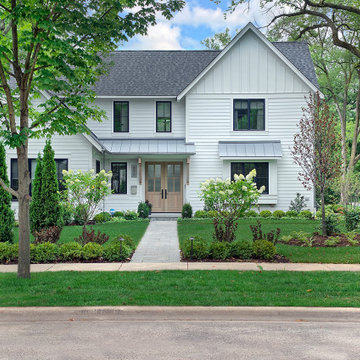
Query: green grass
(182, 288)
(135, 229)
(348, 255)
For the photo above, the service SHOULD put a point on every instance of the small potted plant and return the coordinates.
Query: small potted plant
(149, 206)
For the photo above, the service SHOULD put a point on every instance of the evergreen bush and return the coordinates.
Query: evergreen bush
(36, 204)
(7, 220)
(186, 211)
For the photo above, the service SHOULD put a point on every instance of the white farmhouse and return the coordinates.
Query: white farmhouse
(177, 118)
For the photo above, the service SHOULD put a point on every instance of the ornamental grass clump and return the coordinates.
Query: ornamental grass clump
(230, 200)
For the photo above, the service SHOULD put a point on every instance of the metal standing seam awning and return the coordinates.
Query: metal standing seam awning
(250, 149)
(147, 146)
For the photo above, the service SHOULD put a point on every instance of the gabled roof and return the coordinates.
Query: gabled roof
(169, 73)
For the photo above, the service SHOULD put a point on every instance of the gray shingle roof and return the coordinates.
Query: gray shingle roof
(167, 73)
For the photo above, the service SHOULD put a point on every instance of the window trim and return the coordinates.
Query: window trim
(126, 185)
(156, 116)
(267, 189)
(248, 113)
(13, 160)
(128, 116)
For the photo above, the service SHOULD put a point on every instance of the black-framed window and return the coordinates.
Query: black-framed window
(121, 116)
(119, 177)
(249, 114)
(262, 172)
(163, 116)
(61, 164)
(98, 166)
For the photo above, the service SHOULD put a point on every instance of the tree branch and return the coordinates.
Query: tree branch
(8, 189)
(330, 5)
(5, 8)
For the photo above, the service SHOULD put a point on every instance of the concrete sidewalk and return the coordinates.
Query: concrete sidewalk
(239, 266)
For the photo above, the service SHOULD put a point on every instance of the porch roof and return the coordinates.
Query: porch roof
(250, 149)
(147, 146)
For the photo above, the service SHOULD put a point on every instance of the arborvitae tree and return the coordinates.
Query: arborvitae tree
(6, 214)
(37, 203)
(50, 190)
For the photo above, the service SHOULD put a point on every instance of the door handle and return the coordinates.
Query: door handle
(165, 193)
(162, 193)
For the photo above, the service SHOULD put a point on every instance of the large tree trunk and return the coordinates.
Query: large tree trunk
(24, 217)
(323, 218)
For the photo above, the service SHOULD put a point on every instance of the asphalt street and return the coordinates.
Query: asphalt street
(179, 333)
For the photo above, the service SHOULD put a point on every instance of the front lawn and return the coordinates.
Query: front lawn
(204, 228)
(135, 229)
(182, 288)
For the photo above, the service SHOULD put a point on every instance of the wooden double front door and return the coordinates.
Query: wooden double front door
(164, 186)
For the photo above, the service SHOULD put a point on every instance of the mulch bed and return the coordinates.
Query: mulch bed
(319, 241)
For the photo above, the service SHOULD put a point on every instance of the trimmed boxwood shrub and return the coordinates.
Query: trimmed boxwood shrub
(306, 214)
(252, 213)
(70, 251)
(92, 251)
(242, 250)
(102, 217)
(143, 210)
(186, 211)
(205, 214)
(278, 214)
(220, 250)
(265, 213)
(200, 248)
(46, 252)
(264, 249)
(292, 213)
(112, 251)
(7, 252)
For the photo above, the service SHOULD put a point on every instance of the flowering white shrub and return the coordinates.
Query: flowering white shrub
(230, 200)
(85, 190)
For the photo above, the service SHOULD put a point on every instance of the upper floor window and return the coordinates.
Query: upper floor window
(121, 116)
(119, 177)
(61, 164)
(163, 116)
(249, 114)
(262, 172)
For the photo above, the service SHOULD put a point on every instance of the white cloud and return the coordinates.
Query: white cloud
(162, 36)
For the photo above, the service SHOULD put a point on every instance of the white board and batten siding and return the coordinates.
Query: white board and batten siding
(250, 70)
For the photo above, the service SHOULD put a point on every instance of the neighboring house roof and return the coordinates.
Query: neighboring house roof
(250, 149)
(168, 73)
(148, 146)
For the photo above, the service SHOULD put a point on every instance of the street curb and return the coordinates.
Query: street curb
(186, 314)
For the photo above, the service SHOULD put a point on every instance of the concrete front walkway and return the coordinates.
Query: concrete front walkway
(132, 266)
(160, 244)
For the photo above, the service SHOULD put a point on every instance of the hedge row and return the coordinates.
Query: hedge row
(244, 250)
(71, 252)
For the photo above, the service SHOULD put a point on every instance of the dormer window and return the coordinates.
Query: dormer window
(249, 114)
(121, 116)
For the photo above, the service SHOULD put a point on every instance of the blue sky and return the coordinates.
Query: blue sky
(198, 19)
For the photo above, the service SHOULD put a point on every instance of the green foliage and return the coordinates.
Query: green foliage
(200, 248)
(205, 214)
(264, 249)
(8, 252)
(278, 214)
(115, 251)
(351, 238)
(252, 213)
(130, 215)
(67, 213)
(102, 217)
(118, 214)
(36, 205)
(306, 214)
(186, 211)
(258, 234)
(80, 214)
(298, 204)
(51, 211)
(46, 252)
(303, 237)
(332, 225)
(70, 251)
(92, 251)
(291, 213)
(128, 240)
(265, 213)
(143, 210)
(332, 241)
(286, 238)
(218, 41)
(242, 250)
(352, 218)
(220, 250)
(7, 219)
